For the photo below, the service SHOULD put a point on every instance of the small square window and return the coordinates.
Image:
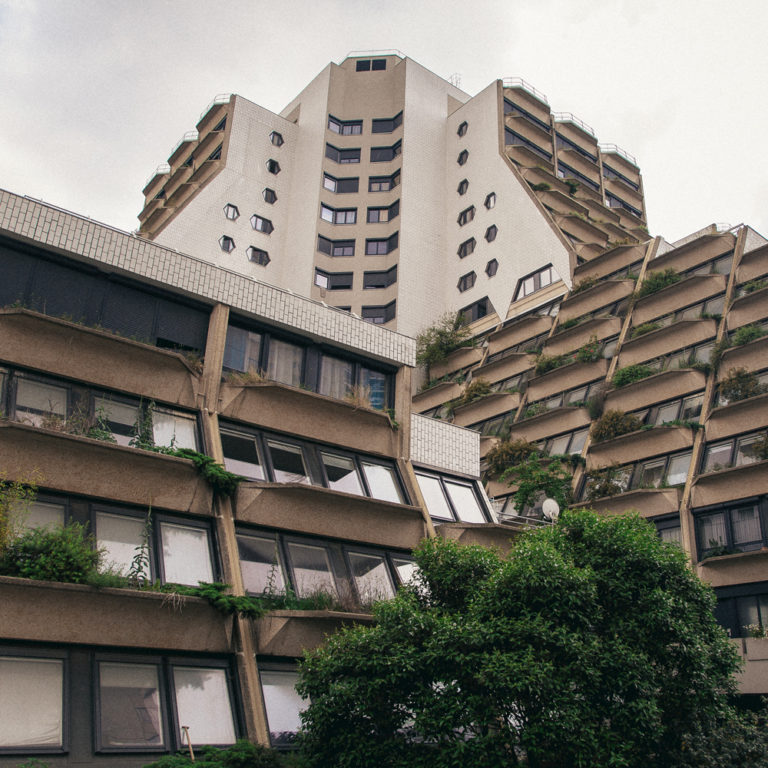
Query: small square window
(490, 201)
(467, 247)
(463, 157)
(492, 267)
(462, 129)
(466, 281)
(363, 65)
(260, 224)
(273, 167)
(463, 187)
(270, 196)
(231, 211)
(378, 64)
(226, 243)
(491, 232)
(276, 139)
(257, 256)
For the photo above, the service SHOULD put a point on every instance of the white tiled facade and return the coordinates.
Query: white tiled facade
(443, 446)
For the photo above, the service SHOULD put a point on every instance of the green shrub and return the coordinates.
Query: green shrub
(655, 281)
(631, 373)
(64, 554)
(535, 480)
(542, 186)
(640, 330)
(546, 363)
(570, 323)
(740, 384)
(221, 480)
(508, 454)
(601, 483)
(754, 285)
(435, 343)
(746, 334)
(242, 754)
(590, 352)
(535, 409)
(572, 185)
(584, 284)
(476, 390)
(15, 498)
(614, 423)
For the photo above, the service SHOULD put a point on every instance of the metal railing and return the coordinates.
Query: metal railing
(380, 52)
(161, 170)
(616, 150)
(187, 137)
(219, 98)
(569, 117)
(518, 82)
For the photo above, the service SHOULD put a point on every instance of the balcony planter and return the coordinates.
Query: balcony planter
(485, 407)
(639, 445)
(436, 395)
(689, 290)
(609, 261)
(485, 534)
(288, 409)
(511, 365)
(753, 265)
(290, 633)
(52, 612)
(565, 377)
(456, 360)
(648, 502)
(325, 512)
(735, 568)
(656, 388)
(602, 293)
(549, 423)
(75, 464)
(96, 356)
(747, 309)
(684, 333)
(740, 416)
(570, 339)
(728, 484)
(582, 229)
(709, 246)
(753, 356)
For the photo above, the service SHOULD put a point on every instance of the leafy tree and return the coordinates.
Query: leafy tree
(592, 644)
(435, 343)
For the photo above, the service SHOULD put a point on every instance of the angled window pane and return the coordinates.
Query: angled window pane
(406, 569)
(285, 362)
(129, 706)
(311, 570)
(667, 413)
(122, 538)
(382, 482)
(241, 352)
(121, 418)
(282, 704)
(287, 463)
(745, 451)
(31, 702)
(186, 556)
(173, 429)
(465, 502)
(559, 444)
(650, 474)
(677, 473)
(717, 457)
(260, 565)
(371, 577)
(434, 498)
(203, 704)
(241, 456)
(578, 440)
(691, 407)
(341, 473)
(37, 403)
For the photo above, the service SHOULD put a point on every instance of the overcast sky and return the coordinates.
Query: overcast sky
(95, 93)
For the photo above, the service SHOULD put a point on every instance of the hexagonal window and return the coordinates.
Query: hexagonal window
(462, 130)
(467, 247)
(490, 201)
(492, 267)
(491, 232)
(463, 187)
(463, 157)
(270, 196)
(466, 281)
(273, 166)
(231, 211)
(260, 224)
(276, 138)
(257, 255)
(226, 243)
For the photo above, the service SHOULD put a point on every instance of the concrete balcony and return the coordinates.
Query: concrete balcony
(458, 359)
(683, 333)
(486, 534)
(518, 332)
(436, 395)
(99, 357)
(750, 308)
(599, 295)
(610, 261)
(288, 409)
(485, 408)
(74, 464)
(525, 156)
(736, 568)
(754, 677)
(661, 386)
(561, 202)
(704, 248)
(324, 512)
(582, 229)
(753, 265)
(687, 291)
(52, 612)
(290, 633)
(639, 445)
(511, 365)
(577, 336)
(525, 127)
(622, 190)
(549, 423)
(565, 377)
(740, 416)
(725, 485)
(752, 357)
(647, 502)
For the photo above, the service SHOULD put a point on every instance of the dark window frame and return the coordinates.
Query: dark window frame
(342, 156)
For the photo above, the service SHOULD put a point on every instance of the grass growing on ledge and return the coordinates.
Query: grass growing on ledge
(613, 424)
(658, 280)
(631, 373)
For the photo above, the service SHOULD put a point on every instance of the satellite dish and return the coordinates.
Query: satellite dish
(551, 509)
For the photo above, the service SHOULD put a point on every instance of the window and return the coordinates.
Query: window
(682, 409)
(513, 109)
(476, 310)
(495, 426)
(387, 125)
(345, 127)
(466, 215)
(379, 315)
(282, 703)
(257, 255)
(512, 139)
(260, 224)
(340, 186)
(381, 247)
(381, 279)
(276, 139)
(450, 498)
(231, 211)
(221, 125)
(273, 167)
(467, 247)
(668, 528)
(269, 195)
(216, 154)
(463, 187)
(491, 232)
(723, 531)
(535, 282)
(614, 202)
(736, 452)
(466, 281)
(570, 398)
(385, 154)
(462, 129)
(742, 607)
(379, 215)
(338, 215)
(492, 267)
(363, 65)
(463, 157)
(719, 266)
(333, 281)
(611, 173)
(342, 156)
(335, 247)
(490, 200)
(378, 64)
(383, 183)
(226, 243)
(563, 143)
(569, 443)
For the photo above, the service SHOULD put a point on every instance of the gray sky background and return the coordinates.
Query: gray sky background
(95, 93)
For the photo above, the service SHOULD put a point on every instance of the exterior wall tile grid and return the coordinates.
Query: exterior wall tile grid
(444, 446)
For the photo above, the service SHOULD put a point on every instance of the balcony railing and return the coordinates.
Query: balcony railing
(569, 117)
(518, 82)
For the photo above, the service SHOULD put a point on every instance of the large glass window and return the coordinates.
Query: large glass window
(241, 455)
(382, 482)
(282, 704)
(39, 403)
(203, 704)
(371, 576)
(311, 570)
(736, 452)
(448, 498)
(186, 554)
(288, 464)
(285, 362)
(342, 473)
(738, 528)
(261, 565)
